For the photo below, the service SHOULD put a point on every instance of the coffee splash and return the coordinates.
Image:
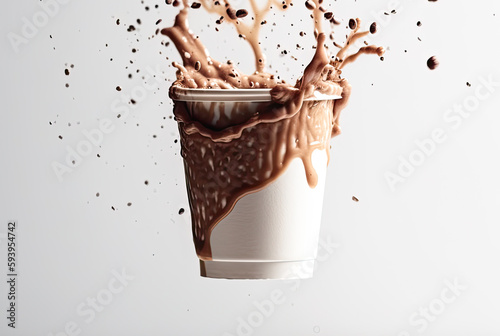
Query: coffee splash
(223, 163)
(199, 70)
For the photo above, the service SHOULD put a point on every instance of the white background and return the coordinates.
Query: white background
(394, 253)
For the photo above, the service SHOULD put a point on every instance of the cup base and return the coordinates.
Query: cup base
(302, 269)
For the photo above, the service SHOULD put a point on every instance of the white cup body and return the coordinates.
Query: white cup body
(272, 233)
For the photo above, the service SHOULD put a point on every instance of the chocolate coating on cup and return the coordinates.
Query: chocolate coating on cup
(223, 166)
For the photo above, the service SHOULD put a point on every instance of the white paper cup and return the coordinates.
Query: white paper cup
(272, 233)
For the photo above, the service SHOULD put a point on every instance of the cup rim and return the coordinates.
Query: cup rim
(235, 95)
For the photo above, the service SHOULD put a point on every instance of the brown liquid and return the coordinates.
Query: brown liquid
(199, 70)
(233, 158)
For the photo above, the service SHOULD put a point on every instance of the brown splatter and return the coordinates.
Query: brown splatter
(352, 24)
(241, 13)
(432, 62)
(310, 5)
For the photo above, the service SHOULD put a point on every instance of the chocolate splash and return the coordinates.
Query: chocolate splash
(209, 73)
(225, 162)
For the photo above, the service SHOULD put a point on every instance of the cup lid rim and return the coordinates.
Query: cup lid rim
(235, 95)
